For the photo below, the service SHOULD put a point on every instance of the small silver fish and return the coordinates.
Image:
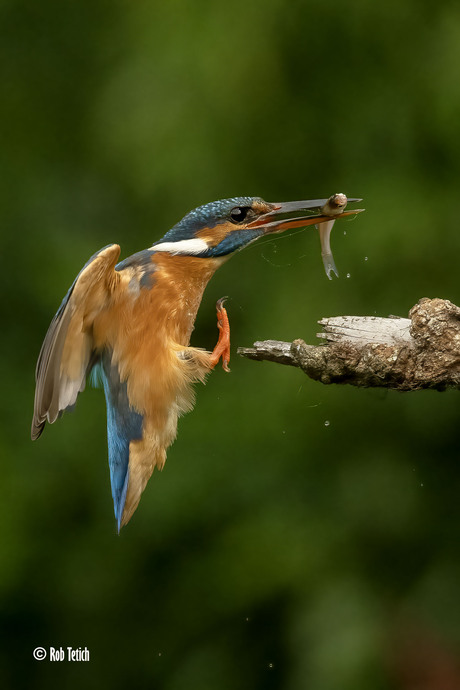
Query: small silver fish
(334, 206)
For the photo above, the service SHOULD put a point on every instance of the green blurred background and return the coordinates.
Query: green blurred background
(275, 550)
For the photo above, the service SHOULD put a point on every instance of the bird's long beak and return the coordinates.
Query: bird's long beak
(318, 211)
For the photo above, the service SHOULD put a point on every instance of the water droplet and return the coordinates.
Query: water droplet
(327, 422)
(344, 232)
(348, 275)
(366, 258)
(270, 665)
(421, 484)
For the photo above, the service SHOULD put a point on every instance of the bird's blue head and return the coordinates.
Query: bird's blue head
(220, 228)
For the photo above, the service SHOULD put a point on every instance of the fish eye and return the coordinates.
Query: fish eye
(239, 213)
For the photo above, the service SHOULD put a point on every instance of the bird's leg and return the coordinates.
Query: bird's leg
(222, 348)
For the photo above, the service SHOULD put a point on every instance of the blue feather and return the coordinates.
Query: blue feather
(234, 241)
(143, 261)
(95, 375)
(124, 424)
(207, 216)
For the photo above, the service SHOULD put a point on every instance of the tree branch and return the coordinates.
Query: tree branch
(422, 351)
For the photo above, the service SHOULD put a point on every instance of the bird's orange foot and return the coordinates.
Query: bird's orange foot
(222, 348)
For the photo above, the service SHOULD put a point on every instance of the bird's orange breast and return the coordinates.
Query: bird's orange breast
(147, 329)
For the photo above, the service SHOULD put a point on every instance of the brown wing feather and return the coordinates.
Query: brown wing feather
(67, 349)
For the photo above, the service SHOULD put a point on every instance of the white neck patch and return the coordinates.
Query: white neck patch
(187, 247)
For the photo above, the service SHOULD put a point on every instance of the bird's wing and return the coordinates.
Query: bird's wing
(65, 356)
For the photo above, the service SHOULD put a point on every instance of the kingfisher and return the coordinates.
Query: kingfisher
(130, 322)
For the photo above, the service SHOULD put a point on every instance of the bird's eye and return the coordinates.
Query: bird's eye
(239, 213)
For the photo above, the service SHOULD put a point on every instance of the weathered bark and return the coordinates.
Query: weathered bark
(422, 351)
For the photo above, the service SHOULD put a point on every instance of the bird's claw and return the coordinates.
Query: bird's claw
(222, 348)
(220, 304)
